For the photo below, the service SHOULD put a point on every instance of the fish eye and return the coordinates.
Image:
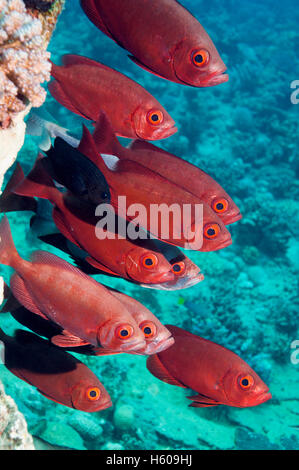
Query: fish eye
(211, 231)
(93, 393)
(155, 117)
(149, 261)
(178, 268)
(246, 382)
(200, 57)
(220, 205)
(148, 328)
(124, 332)
(104, 195)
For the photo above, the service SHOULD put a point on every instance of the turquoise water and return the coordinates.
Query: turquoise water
(244, 133)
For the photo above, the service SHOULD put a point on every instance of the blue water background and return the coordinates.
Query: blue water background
(245, 134)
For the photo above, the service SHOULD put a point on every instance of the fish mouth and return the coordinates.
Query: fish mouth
(155, 347)
(132, 345)
(165, 277)
(178, 284)
(106, 404)
(168, 132)
(224, 244)
(227, 220)
(158, 134)
(160, 346)
(101, 406)
(263, 397)
(213, 79)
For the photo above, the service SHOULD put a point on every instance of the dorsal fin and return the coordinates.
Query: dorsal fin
(104, 136)
(45, 257)
(88, 148)
(74, 59)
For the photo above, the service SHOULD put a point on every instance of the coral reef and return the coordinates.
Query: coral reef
(24, 60)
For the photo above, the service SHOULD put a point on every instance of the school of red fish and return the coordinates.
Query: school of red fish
(66, 309)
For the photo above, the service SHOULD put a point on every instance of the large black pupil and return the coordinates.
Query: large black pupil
(245, 382)
(93, 394)
(220, 206)
(155, 117)
(147, 330)
(148, 262)
(124, 333)
(211, 232)
(199, 58)
(176, 268)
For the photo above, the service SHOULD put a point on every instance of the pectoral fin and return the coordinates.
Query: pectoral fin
(202, 401)
(68, 340)
(156, 367)
(140, 64)
(98, 265)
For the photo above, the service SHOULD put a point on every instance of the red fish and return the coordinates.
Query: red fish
(157, 336)
(175, 169)
(218, 375)
(141, 262)
(185, 272)
(56, 374)
(85, 87)
(145, 188)
(57, 291)
(163, 38)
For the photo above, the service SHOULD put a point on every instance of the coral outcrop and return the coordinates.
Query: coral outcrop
(13, 428)
(24, 60)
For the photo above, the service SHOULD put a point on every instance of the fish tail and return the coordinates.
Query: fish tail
(8, 253)
(38, 183)
(11, 304)
(11, 202)
(46, 130)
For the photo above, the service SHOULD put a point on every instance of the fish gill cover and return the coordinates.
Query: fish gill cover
(244, 134)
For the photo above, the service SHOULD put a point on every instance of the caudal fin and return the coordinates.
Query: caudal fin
(38, 183)
(8, 252)
(10, 202)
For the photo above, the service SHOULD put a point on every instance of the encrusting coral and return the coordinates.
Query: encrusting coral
(24, 60)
